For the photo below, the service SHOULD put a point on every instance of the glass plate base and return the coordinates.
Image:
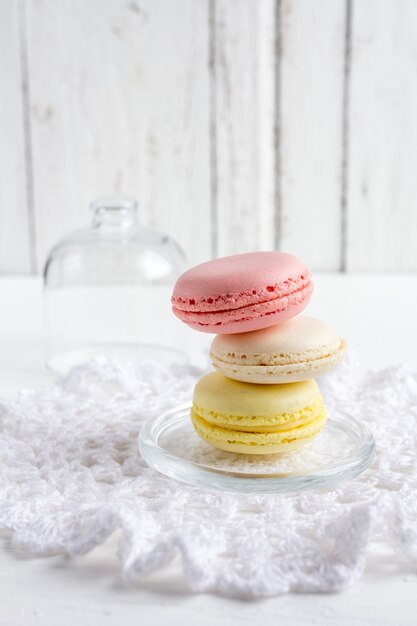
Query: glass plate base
(169, 444)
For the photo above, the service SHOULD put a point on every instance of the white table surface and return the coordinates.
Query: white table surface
(377, 315)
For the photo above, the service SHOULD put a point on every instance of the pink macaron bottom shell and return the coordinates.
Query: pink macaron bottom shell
(248, 318)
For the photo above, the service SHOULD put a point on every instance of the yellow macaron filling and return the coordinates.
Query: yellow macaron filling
(256, 442)
(260, 423)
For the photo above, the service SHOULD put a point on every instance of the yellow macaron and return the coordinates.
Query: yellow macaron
(256, 419)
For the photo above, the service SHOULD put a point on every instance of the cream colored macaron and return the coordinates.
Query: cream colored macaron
(256, 419)
(294, 350)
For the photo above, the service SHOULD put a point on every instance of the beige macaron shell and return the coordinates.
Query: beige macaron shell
(295, 350)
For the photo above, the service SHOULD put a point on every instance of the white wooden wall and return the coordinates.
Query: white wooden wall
(239, 125)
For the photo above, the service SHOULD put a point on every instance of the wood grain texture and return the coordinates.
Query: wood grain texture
(15, 244)
(382, 157)
(243, 75)
(119, 103)
(225, 118)
(87, 590)
(310, 149)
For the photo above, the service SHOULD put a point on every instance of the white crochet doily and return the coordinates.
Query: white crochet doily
(71, 474)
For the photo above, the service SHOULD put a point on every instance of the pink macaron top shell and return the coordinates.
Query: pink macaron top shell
(242, 292)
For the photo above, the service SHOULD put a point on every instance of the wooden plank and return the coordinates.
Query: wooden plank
(15, 255)
(243, 104)
(310, 149)
(382, 156)
(120, 104)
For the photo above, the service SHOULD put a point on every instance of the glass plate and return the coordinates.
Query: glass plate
(169, 444)
(61, 364)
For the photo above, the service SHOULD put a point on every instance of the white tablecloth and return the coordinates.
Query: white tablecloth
(85, 590)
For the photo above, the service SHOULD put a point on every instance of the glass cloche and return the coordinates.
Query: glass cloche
(107, 291)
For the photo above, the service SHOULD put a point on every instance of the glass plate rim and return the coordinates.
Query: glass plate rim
(199, 474)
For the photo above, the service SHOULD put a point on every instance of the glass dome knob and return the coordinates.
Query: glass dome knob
(114, 212)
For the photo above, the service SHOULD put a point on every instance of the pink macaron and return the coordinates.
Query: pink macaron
(244, 292)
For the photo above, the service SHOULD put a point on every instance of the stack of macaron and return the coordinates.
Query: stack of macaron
(262, 398)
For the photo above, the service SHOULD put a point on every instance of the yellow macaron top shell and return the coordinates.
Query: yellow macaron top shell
(232, 403)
